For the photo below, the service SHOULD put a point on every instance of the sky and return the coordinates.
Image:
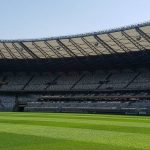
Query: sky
(30, 19)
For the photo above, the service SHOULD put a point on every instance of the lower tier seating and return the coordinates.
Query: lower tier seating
(60, 81)
(138, 107)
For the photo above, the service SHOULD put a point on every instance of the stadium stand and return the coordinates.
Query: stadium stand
(101, 72)
(76, 81)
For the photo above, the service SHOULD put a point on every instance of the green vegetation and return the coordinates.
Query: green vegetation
(54, 131)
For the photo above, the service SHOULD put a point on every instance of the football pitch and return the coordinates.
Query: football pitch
(54, 131)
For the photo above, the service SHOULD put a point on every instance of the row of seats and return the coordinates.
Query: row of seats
(36, 102)
(75, 81)
(100, 106)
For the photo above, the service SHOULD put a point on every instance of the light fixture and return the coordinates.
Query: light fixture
(138, 38)
(96, 44)
(58, 48)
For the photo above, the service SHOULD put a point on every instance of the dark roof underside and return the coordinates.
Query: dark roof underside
(127, 46)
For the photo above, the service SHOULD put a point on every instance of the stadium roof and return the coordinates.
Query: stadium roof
(116, 41)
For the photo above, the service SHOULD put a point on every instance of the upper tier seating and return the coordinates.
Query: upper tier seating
(91, 80)
(98, 80)
(141, 82)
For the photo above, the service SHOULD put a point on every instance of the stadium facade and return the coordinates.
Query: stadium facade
(100, 72)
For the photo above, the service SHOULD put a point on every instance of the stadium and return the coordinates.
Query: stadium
(88, 91)
(100, 72)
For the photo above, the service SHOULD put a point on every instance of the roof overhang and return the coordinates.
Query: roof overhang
(116, 41)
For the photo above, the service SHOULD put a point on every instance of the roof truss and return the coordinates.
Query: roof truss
(28, 50)
(133, 41)
(9, 51)
(41, 50)
(83, 52)
(143, 34)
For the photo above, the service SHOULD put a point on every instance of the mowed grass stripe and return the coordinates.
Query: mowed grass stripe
(116, 128)
(75, 115)
(28, 142)
(101, 131)
(72, 114)
(82, 116)
(88, 121)
(82, 135)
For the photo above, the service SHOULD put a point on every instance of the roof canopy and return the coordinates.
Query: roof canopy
(116, 41)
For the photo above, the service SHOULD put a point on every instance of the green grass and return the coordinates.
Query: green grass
(50, 131)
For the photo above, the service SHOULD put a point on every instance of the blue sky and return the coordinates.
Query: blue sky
(25, 19)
